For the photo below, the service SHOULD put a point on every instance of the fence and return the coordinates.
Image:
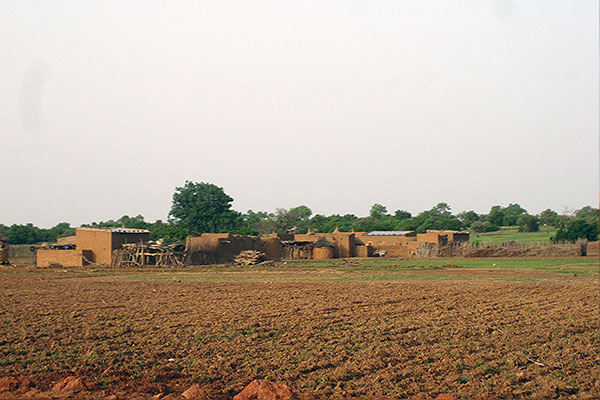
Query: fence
(508, 249)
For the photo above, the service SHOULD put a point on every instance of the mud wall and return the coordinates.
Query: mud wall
(344, 244)
(98, 241)
(593, 249)
(66, 258)
(229, 248)
(457, 237)
(271, 246)
(432, 237)
(382, 240)
(218, 248)
(394, 246)
(201, 250)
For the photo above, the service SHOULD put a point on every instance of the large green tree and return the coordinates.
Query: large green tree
(439, 217)
(203, 207)
(549, 217)
(588, 214)
(577, 229)
(467, 218)
(378, 211)
(512, 212)
(295, 219)
(496, 215)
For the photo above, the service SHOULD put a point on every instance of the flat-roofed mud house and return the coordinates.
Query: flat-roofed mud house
(443, 237)
(92, 245)
(388, 243)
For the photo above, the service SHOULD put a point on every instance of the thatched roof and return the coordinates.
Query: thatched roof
(322, 242)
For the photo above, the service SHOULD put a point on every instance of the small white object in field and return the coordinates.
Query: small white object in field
(494, 264)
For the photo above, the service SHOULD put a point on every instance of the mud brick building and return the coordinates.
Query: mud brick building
(99, 245)
(216, 248)
(443, 237)
(389, 243)
(102, 242)
(92, 245)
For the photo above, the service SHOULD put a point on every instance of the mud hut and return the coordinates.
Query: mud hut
(323, 249)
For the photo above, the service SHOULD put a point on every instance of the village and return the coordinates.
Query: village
(119, 247)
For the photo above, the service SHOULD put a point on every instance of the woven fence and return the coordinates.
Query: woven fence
(507, 249)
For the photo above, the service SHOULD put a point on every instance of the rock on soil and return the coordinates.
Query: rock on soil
(265, 390)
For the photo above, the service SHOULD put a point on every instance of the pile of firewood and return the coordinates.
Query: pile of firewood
(250, 257)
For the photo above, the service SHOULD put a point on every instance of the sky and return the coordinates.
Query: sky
(107, 107)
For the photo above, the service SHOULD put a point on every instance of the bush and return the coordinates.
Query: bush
(528, 223)
(577, 229)
(484, 226)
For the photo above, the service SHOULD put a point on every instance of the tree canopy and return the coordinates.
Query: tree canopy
(203, 207)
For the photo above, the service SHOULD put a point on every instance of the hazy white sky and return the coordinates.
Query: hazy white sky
(106, 107)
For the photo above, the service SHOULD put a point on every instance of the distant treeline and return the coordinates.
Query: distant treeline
(203, 207)
(581, 224)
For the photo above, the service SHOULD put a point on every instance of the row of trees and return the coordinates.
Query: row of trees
(28, 233)
(204, 207)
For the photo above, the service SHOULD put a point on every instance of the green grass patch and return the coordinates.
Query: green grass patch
(371, 269)
(509, 269)
(511, 234)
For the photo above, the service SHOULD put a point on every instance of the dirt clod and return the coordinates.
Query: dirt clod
(67, 386)
(172, 396)
(8, 384)
(265, 390)
(195, 392)
(445, 396)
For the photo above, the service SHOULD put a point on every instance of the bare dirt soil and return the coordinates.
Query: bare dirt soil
(156, 334)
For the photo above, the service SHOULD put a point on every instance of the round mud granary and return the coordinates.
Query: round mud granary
(322, 249)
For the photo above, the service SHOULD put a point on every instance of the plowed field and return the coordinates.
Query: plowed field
(389, 331)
